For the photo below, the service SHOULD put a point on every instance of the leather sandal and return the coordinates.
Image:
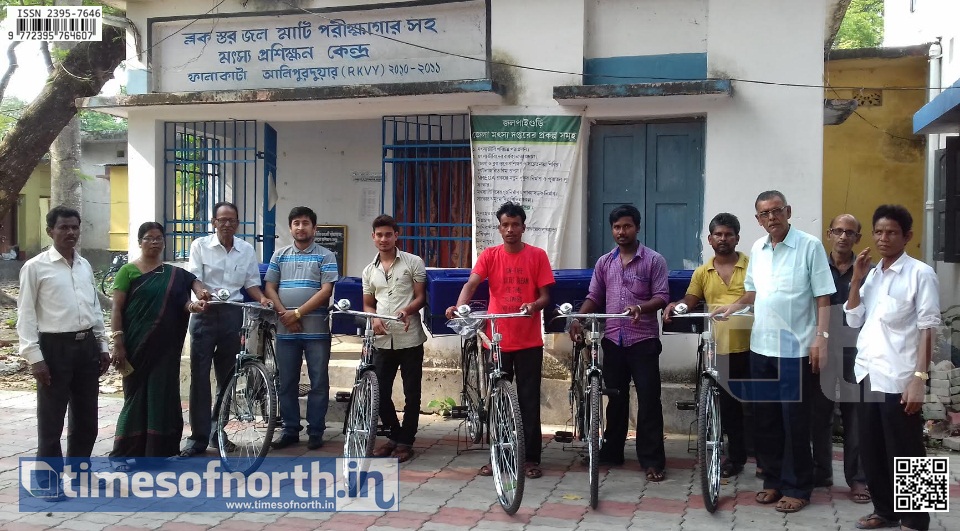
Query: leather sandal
(875, 521)
(789, 504)
(768, 496)
(403, 453)
(386, 450)
(486, 470)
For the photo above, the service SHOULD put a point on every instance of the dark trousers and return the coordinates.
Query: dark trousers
(409, 361)
(640, 362)
(214, 340)
(527, 365)
(74, 381)
(782, 418)
(886, 432)
(733, 366)
(825, 390)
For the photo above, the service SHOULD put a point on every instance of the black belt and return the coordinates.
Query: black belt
(70, 336)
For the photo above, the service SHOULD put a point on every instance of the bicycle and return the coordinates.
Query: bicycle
(106, 282)
(360, 424)
(586, 392)
(247, 411)
(494, 401)
(709, 424)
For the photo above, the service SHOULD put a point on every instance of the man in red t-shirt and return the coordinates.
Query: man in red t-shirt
(519, 277)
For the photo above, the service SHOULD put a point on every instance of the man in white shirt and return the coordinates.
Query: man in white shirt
(220, 261)
(897, 303)
(63, 338)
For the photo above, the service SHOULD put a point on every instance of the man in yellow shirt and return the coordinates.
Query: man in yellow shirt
(720, 282)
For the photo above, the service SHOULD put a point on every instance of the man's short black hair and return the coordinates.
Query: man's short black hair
(147, 226)
(514, 210)
(58, 212)
(623, 211)
(898, 213)
(385, 220)
(216, 208)
(725, 219)
(298, 211)
(770, 195)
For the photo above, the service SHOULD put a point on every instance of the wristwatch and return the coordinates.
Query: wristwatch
(825, 335)
(922, 375)
(296, 313)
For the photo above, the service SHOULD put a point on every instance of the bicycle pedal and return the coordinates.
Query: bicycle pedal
(458, 412)
(610, 392)
(383, 431)
(563, 437)
(342, 396)
(686, 405)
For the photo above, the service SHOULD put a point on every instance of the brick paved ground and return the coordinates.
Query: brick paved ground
(440, 490)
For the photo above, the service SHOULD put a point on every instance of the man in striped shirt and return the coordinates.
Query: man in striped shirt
(299, 282)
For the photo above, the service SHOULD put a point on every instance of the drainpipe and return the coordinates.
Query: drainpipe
(933, 144)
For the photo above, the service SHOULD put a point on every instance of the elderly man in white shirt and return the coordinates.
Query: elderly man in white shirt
(897, 303)
(63, 338)
(220, 261)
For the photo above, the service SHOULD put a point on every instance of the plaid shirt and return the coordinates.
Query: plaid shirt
(615, 286)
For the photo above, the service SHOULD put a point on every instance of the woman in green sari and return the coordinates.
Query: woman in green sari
(151, 307)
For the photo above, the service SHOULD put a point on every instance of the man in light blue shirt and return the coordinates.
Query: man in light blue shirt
(789, 283)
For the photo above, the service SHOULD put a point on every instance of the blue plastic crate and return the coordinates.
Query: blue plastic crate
(679, 281)
(443, 289)
(350, 288)
(571, 286)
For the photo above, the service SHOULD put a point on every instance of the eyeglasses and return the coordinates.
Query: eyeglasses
(773, 212)
(840, 232)
(228, 221)
(158, 239)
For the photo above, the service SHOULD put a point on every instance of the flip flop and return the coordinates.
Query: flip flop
(403, 453)
(655, 475)
(768, 496)
(875, 521)
(789, 504)
(860, 494)
(532, 471)
(486, 470)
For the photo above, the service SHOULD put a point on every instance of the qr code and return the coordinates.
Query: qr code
(921, 484)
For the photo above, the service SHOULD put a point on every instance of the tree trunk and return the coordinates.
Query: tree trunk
(82, 74)
(11, 67)
(65, 179)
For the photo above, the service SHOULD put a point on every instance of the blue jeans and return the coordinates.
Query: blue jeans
(290, 355)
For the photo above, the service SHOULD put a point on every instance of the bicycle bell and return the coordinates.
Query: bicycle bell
(222, 294)
(343, 305)
(680, 309)
(463, 310)
(566, 308)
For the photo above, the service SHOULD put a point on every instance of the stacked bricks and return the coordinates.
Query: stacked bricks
(944, 395)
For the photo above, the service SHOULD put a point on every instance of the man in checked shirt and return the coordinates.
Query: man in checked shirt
(631, 278)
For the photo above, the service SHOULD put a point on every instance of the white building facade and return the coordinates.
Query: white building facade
(689, 108)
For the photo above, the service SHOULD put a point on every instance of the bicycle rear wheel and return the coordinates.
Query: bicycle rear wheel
(594, 437)
(507, 453)
(245, 420)
(269, 355)
(709, 442)
(470, 394)
(361, 424)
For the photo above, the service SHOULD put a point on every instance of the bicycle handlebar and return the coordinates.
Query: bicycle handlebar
(251, 305)
(338, 311)
(488, 316)
(589, 316)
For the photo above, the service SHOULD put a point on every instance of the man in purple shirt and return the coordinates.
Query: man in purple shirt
(630, 278)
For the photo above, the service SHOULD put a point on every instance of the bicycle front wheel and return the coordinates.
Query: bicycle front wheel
(244, 423)
(471, 394)
(507, 453)
(709, 443)
(269, 356)
(594, 436)
(361, 429)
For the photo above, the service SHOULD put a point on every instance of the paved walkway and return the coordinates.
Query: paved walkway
(440, 490)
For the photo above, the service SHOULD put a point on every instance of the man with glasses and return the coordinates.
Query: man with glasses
(843, 235)
(220, 261)
(789, 283)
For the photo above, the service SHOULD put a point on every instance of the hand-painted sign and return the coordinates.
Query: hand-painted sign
(416, 43)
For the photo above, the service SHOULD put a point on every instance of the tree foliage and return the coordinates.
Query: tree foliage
(862, 26)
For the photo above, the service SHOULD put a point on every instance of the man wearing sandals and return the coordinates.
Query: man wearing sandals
(719, 282)
(630, 278)
(520, 277)
(395, 284)
(843, 234)
(789, 283)
(897, 303)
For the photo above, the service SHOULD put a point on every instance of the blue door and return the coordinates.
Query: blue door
(657, 167)
(269, 192)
